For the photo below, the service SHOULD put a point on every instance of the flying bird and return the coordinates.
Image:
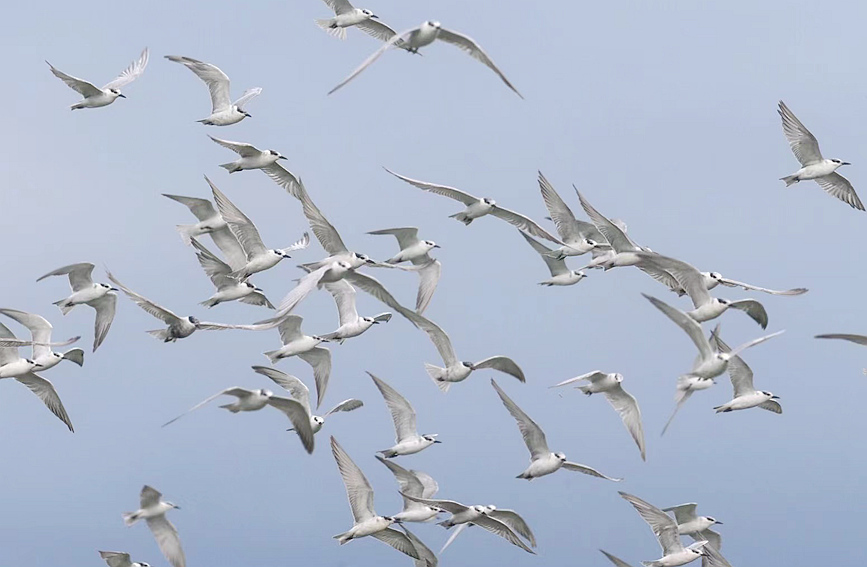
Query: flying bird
(813, 166)
(228, 288)
(579, 237)
(416, 251)
(266, 160)
(665, 530)
(153, 511)
(407, 439)
(118, 559)
(351, 324)
(40, 332)
(510, 518)
(296, 343)
(713, 279)
(346, 15)
(745, 394)
(695, 526)
(101, 297)
(210, 220)
(542, 460)
(94, 97)
(425, 34)
(224, 112)
(561, 275)
(416, 484)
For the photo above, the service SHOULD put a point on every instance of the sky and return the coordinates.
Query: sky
(663, 114)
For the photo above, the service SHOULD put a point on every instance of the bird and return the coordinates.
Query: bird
(561, 275)
(416, 251)
(94, 97)
(351, 325)
(210, 220)
(118, 559)
(479, 207)
(426, 557)
(40, 332)
(665, 530)
(624, 403)
(713, 558)
(298, 390)
(579, 237)
(346, 15)
(13, 366)
(510, 518)
(100, 296)
(407, 439)
(153, 511)
(314, 279)
(417, 484)
(224, 112)
(713, 279)
(745, 395)
(178, 327)
(813, 166)
(425, 34)
(710, 362)
(696, 527)
(366, 521)
(542, 460)
(857, 339)
(694, 283)
(477, 515)
(259, 258)
(305, 347)
(228, 288)
(254, 158)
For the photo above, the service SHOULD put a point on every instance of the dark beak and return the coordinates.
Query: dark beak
(437, 246)
(773, 398)
(286, 256)
(259, 290)
(282, 157)
(376, 322)
(437, 441)
(113, 289)
(374, 16)
(720, 523)
(38, 366)
(247, 114)
(124, 96)
(844, 163)
(370, 261)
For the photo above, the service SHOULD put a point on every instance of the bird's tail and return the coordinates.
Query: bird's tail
(187, 232)
(388, 453)
(652, 563)
(231, 408)
(461, 217)
(76, 106)
(342, 538)
(556, 254)
(585, 389)
(722, 409)
(436, 374)
(330, 26)
(446, 524)
(64, 307)
(209, 302)
(790, 179)
(75, 355)
(130, 518)
(161, 334)
(273, 355)
(546, 284)
(231, 167)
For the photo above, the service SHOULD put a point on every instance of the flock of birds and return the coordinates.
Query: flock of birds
(244, 254)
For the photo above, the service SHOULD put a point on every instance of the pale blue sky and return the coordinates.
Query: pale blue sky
(662, 113)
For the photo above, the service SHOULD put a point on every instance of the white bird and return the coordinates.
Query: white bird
(299, 392)
(561, 275)
(479, 516)
(426, 557)
(40, 332)
(13, 366)
(366, 521)
(407, 439)
(713, 279)
(416, 251)
(579, 237)
(695, 284)
(417, 484)
(425, 34)
(254, 158)
(508, 517)
(224, 112)
(665, 530)
(315, 278)
(713, 558)
(153, 511)
(857, 339)
(624, 403)
(346, 15)
(351, 325)
(542, 460)
(94, 96)
(228, 288)
(178, 327)
(259, 258)
(118, 559)
(100, 296)
(745, 395)
(710, 362)
(823, 171)
(477, 208)
(695, 526)
(296, 343)
(210, 220)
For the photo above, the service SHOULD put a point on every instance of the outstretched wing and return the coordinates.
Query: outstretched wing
(131, 73)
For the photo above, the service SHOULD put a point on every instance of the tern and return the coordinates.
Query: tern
(40, 331)
(13, 366)
(624, 403)
(407, 439)
(101, 297)
(299, 392)
(542, 460)
(153, 511)
(416, 251)
(508, 517)
(224, 112)
(425, 34)
(561, 275)
(366, 520)
(713, 279)
(479, 207)
(346, 15)
(416, 484)
(118, 559)
(665, 530)
(823, 171)
(228, 288)
(579, 237)
(254, 158)
(745, 395)
(695, 526)
(351, 325)
(210, 220)
(94, 97)
(296, 343)
(259, 258)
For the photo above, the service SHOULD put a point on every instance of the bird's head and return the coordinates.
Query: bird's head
(839, 162)
(265, 393)
(431, 438)
(560, 457)
(245, 113)
(723, 301)
(712, 520)
(430, 244)
(174, 506)
(193, 320)
(716, 276)
(344, 265)
(771, 395)
(280, 253)
(618, 377)
(318, 420)
(488, 201)
(433, 24)
(369, 14)
(469, 365)
(117, 93)
(276, 154)
(579, 273)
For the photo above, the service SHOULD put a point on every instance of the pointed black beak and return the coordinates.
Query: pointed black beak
(259, 290)
(113, 289)
(773, 398)
(247, 114)
(374, 16)
(844, 163)
(122, 95)
(437, 246)
(282, 157)
(437, 441)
